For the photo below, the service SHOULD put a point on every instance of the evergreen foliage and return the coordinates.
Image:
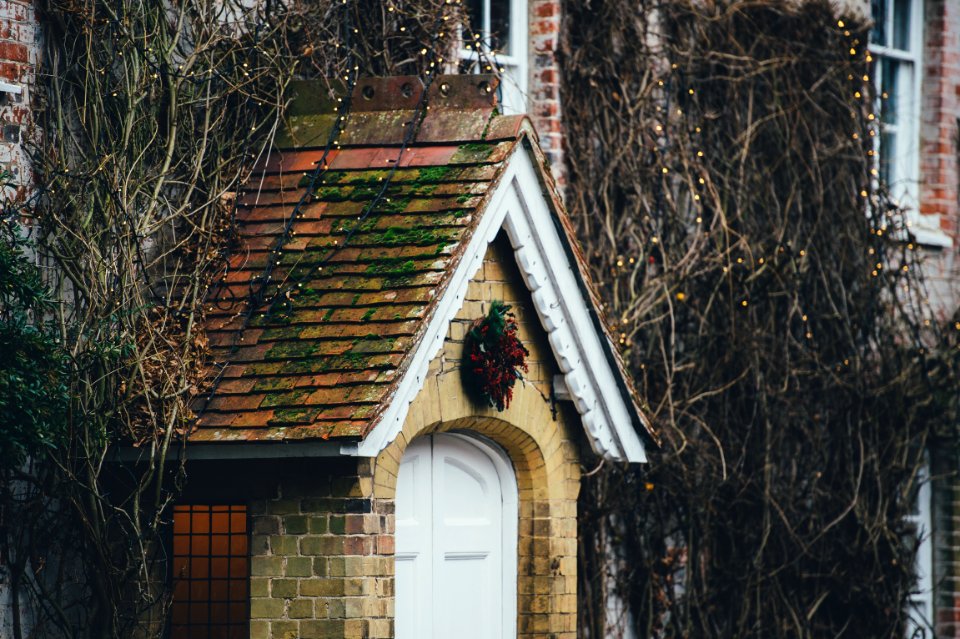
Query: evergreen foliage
(33, 395)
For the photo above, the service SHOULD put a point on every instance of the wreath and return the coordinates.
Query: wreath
(494, 357)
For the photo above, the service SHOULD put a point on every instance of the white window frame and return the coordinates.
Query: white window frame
(905, 188)
(515, 67)
(920, 619)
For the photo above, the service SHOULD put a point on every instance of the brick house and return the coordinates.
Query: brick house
(320, 551)
(379, 495)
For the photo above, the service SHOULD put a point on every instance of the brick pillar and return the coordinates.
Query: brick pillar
(940, 109)
(18, 61)
(544, 87)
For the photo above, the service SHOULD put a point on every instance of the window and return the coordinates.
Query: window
(210, 573)
(895, 44)
(920, 607)
(896, 47)
(501, 26)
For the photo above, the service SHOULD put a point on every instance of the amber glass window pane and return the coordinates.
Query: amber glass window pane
(210, 570)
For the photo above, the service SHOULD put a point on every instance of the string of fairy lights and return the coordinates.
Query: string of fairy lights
(886, 221)
(257, 285)
(162, 68)
(888, 218)
(286, 289)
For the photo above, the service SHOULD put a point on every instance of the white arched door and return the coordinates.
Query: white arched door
(456, 541)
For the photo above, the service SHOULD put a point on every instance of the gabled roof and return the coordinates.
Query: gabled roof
(368, 282)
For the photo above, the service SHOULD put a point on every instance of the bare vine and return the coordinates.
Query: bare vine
(769, 298)
(151, 115)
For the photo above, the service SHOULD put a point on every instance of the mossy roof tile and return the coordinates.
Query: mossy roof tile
(354, 293)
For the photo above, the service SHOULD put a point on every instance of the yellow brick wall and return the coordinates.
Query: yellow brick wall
(322, 564)
(540, 437)
(321, 556)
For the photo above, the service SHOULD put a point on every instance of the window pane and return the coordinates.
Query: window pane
(219, 545)
(220, 521)
(901, 25)
(238, 545)
(238, 590)
(219, 566)
(889, 91)
(500, 26)
(200, 545)
(238, 566)
(199, 568)
(219, 590)
(181, 545)
(210, 568)
(201, 522)
(878, 11)
(888, 157)
(475, 15)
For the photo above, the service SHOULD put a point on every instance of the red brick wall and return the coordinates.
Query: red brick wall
(940, 108)
(940, 196)
(939, 138)
(544, 83)
(18, 60)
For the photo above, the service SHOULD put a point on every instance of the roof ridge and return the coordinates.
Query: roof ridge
(393, 93)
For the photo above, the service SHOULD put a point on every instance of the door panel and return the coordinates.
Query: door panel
(414, 523)
(450, 537)
(467, 540)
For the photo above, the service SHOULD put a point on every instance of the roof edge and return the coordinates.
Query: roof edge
(587, 288)
(393, 93)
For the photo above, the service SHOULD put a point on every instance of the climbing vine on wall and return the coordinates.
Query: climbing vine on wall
(768, 296)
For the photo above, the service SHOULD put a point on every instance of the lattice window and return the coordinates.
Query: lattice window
(210, 572)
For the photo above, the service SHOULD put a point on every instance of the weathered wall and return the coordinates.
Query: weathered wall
(19, 54)
(940, 108)
(939, 167)
(18, 61)
(940, 196)
(322, 557)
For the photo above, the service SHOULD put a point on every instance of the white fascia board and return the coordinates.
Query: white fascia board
(519, 205)
(592, 379)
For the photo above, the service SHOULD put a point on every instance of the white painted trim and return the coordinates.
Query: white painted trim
(920, 602)
(6, 87)
(908, 171)
(518, 204)
(564, 310)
